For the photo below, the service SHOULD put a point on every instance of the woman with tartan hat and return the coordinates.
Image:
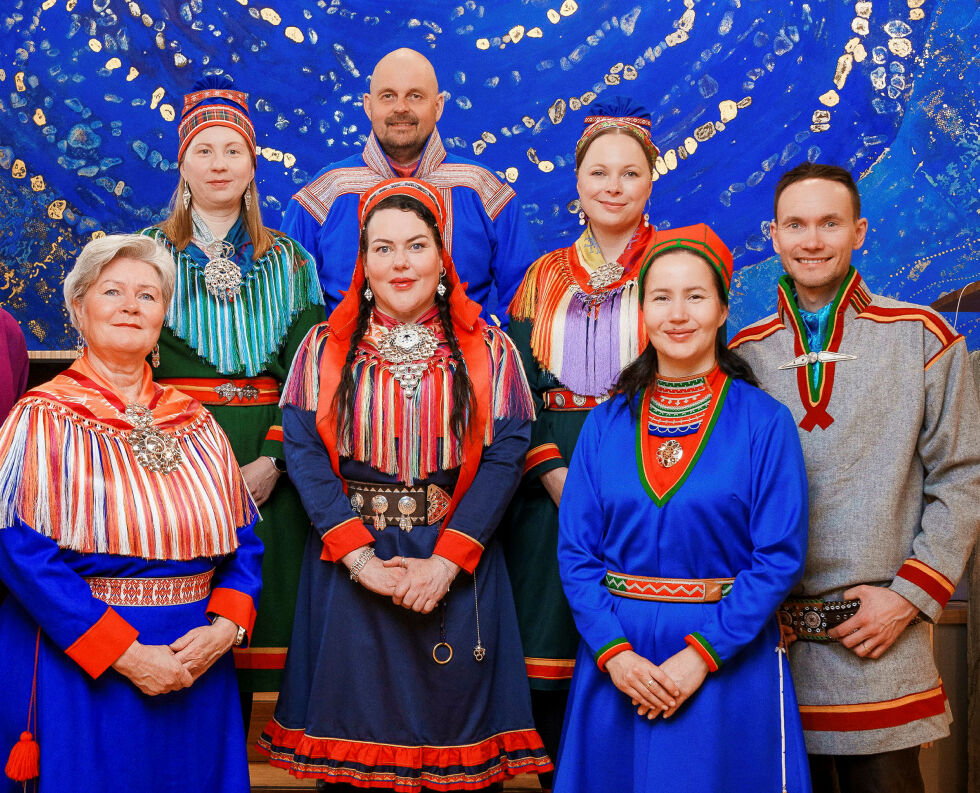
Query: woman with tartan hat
(406, 420)
(682, 528)
(245, 297)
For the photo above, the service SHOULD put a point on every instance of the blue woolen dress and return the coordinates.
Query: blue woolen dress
(739, 511)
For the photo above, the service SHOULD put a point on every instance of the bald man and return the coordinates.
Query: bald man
(489, 239)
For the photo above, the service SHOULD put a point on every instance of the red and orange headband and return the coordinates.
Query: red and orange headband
(700, 239)
(217, 105)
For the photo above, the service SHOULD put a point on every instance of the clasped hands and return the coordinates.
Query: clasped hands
(657, 690)
(415, 584)
(158, 668)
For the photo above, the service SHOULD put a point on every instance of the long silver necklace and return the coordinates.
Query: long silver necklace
(407, 349)
(222, 277)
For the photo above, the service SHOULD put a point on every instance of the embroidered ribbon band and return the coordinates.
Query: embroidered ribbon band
(222, 391)
(394, 505)
(563, 399)
(668, 590)
(176, 591)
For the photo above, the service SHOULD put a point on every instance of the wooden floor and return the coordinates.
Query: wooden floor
(266, 779)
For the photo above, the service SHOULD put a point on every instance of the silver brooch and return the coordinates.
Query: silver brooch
(153, 449)
(669, 453)
(223, 278)
(606, 276)
(407, 349)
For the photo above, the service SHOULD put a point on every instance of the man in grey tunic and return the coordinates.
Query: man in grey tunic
(888, 419)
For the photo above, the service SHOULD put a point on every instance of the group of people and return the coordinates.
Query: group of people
(604, 547)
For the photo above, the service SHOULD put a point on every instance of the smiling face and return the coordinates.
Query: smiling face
(121, 314)
(404, 104)
(217, 167)
(402, 263)
(814, 233)
(614, 183)
(682, 312)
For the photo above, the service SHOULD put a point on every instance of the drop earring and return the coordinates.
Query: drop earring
(155, 356)
(441, 288)
(581, 217)
(248, 198)
(186, 196)
(368, 294)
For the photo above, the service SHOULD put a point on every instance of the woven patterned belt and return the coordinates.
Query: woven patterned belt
(390, 505)
(563, 399)
(668, 590)
(176, 591)
(221, 391)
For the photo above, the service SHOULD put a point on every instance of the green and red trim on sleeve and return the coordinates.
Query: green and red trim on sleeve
(101, 645)
(704, 649)
(459, 548)
(543, 458)
(234, 605)
(930, 581)
(609, 650)
(344, 538)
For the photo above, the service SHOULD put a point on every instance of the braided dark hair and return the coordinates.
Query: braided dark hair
(463, 397)
(642, 372)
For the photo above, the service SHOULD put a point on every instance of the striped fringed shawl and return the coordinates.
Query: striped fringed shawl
(583, 344)
(240, 335)
(405, 436)
(76, 480)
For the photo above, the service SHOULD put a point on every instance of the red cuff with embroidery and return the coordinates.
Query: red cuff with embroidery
(101, 645)
(344, 538)
(540, 455)
(930, 581)
(459, 548)
(235, 605)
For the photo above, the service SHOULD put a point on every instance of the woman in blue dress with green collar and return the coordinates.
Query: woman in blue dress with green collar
(675, 557)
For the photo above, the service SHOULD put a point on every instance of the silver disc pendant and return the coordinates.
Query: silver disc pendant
(408, 348)
(606, 275)
(669, 453)
(223, 278)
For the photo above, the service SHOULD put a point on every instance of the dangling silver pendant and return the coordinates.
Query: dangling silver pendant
(406, 506)
(153, 449)
(223, 278)
(479, 652)
(408, 348)
(669, 453)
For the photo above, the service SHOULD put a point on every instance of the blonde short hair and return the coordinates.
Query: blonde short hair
(100, 253)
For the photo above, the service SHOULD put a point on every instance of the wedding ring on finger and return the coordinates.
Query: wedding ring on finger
(649, 684)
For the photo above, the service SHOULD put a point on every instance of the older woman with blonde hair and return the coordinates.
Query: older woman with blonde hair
(126, 543)
(246, 295)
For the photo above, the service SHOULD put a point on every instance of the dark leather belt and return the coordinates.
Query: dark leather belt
(811, 618)
(563, 399)
(391, 505)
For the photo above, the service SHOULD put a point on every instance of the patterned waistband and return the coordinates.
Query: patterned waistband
(222, 391)
(563, 399)
(670, 590)
(176, 591)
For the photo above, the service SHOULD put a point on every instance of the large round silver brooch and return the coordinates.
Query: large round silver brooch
(669, 453)
(223, 278)
(407, 349)
(152, 449)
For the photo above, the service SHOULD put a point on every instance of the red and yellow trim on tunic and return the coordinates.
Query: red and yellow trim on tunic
(874, 715)
(405, 769)
(661, 483)
(757, 332)
(235, 605)
(816, 396)
(344, 538)
(610, 649)
(930, 581)
(260, 657)
(705, 650)
(101, 645)
(539, 455)
(550, 668)
(930, 321)
(459, 548)
(274, 433)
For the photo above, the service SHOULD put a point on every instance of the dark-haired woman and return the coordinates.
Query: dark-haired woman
(246, 296)
(406, 420)
(675, 557)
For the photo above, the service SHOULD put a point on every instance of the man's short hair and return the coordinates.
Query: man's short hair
(816, 170)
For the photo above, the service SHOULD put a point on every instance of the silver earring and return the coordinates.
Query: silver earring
(581, 217)
(186, 196)
(441, 289)
(368, 294)
(155, 356)
(248, 198)
(80, 345)
(646, 218)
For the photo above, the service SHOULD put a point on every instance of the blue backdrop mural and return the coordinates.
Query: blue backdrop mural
(740, 90)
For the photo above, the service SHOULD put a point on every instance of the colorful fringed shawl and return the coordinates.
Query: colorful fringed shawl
(67, 470)
(240, 335)
(408, 436)
(582, 335)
